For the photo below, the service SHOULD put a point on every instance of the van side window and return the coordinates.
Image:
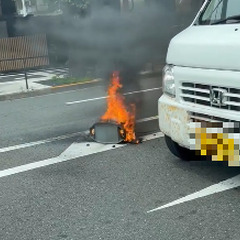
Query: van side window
(213, 12)
(233, 8)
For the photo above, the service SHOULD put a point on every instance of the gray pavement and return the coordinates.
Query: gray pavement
(36, 118)
(94, 192)
(107, 196)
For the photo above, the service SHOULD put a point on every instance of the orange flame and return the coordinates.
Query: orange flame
(117, 111)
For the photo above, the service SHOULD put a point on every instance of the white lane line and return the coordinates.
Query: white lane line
(142, 91)
(147, 119)
(85, 100)
(31, 144)
(216, 188)
(125, 94)
(76, 150)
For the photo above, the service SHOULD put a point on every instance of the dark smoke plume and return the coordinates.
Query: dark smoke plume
(107, 39)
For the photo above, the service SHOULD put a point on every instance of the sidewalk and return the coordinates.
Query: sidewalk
(12, 83)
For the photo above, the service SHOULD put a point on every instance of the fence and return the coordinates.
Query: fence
(21, 53)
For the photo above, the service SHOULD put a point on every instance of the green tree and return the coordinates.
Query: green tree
(79, 4)
(79, 7)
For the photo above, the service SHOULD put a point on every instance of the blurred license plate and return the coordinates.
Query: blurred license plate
(220, 140)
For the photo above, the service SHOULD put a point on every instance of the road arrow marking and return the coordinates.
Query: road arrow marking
(32, 144)
(58, 138)
(216, 188)
(76, 150)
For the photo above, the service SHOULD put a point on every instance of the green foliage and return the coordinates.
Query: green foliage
(77, 8)
(79, 4)
(56, 80)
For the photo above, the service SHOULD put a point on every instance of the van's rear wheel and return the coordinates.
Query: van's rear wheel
(180, 152)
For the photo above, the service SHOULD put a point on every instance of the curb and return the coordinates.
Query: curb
(55, 89)
(77, 83)
(64, 87)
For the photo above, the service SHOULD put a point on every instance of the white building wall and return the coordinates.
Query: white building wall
(26, 7)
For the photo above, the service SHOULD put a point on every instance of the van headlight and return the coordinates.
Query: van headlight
(168, 81)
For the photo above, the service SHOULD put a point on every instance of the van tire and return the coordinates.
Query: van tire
(180, 152)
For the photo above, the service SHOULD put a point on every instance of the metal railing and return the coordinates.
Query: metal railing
(23, 53)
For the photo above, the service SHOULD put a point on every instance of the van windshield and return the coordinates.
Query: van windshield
(220, 12)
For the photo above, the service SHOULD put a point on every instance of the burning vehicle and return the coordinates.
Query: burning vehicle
(118, 122)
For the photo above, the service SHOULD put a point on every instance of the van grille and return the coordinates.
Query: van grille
(198, 117)
(200, 94)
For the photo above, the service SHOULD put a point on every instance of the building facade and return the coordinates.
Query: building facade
(30, 7)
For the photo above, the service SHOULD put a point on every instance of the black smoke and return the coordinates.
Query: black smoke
(105, 38)
(109, 40)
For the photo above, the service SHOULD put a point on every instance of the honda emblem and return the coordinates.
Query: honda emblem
(217, 96)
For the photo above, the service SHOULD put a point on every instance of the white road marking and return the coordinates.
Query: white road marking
(147, 119)
(142, 91)
(85, 100)
(216, 188)
(152, 136)
(11, 83)
(62, 137)
(125, 94)
(76, 150)
(31, 144)
(10, 75)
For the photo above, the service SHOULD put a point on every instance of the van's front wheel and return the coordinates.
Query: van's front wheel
(180, 152)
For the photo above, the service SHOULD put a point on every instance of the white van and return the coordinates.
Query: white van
(201, 79)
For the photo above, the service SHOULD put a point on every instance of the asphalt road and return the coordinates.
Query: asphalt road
(58, 184)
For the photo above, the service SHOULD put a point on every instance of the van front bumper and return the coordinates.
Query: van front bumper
(174, 120)
(175, 117)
